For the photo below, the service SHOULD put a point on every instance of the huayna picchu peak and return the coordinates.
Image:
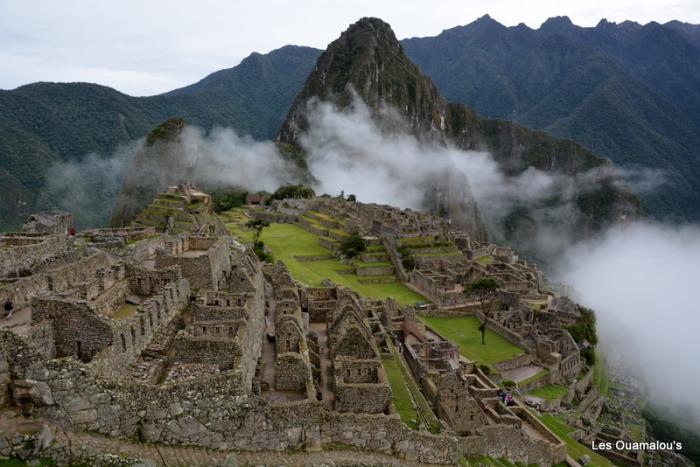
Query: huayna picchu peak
(367, 61)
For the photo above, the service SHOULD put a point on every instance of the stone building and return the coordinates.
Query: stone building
(205, 261)
(190, 340)
(112, 316)
(49, 222)
(22, 253)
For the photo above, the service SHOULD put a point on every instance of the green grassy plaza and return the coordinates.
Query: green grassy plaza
(400, 393)
(549, 392)
(289, 240)
(464, 331)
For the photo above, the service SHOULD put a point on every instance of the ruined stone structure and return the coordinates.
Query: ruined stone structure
(188, 339)
(22, 252)
(204, 260)
(49, 222)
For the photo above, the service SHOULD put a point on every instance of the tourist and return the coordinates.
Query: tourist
(9, 308)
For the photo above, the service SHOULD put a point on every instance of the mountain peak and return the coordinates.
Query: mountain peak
(367, 60)
(368, 32)
(558, 21)
(487, 22)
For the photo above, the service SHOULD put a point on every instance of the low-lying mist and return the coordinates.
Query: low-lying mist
(218, 158)
(641, 280)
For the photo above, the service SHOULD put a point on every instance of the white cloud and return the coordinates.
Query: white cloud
(642, 281)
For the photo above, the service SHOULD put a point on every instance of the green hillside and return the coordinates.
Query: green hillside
(625, 91)
(45, 123)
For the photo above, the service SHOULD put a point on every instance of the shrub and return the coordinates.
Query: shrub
(407, 259)
(261, 253)
(588, 354)
(584, 327)
(224, 200)
(353, 245)
(409, 263)
(485, 369)
(293, 191)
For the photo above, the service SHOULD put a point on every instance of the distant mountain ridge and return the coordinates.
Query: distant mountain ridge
(592, 85)
(625, 91)
(45, 123)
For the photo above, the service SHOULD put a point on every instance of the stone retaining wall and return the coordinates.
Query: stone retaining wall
(515, 362)
(374, 271)
(22, 254)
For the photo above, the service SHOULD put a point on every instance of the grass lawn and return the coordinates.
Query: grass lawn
(464, 331)
(400, 393)
(600, 375)
(235, 220)
(574, 448)
(636, 431)
(289, 240)
(486, 259)
(549, 392)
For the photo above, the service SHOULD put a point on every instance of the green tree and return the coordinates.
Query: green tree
(258, 245)
(293, 191)
(353, 245)
(485, 289)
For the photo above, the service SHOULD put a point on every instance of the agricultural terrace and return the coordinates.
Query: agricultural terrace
(575, 449)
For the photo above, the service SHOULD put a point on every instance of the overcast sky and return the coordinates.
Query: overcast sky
(144, 47)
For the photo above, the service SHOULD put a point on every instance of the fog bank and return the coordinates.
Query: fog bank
(642, 279)
(218, 158)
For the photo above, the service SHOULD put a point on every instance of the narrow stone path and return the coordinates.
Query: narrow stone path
(326, 387)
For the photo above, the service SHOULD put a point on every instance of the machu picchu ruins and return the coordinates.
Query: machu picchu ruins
(171, 331)
(478, 249)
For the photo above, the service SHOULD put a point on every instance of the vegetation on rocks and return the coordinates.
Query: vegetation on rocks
(584, 331)
(293, 191)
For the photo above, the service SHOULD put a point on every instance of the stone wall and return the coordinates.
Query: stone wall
(78, 330)
(374, 271)
(57, 280)
(291, 372)
(130, 336)
(120, 235)
(216, 412)
(205, 270)
(202, 312)
(20, 255)
(360, 386)
(513, 443)
(515, 362)
(221, 351)
(388, 434)
(5, 380)
(41, 336)
(146, 282)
